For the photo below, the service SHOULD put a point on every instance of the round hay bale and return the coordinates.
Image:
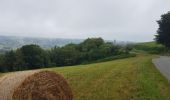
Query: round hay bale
(34, 85)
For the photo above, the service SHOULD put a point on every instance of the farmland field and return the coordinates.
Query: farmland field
(133, 78)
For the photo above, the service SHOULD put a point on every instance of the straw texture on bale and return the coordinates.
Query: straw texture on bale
(34, 85)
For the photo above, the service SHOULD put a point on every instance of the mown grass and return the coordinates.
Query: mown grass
(133, 78)
(127, 79)
(151, 84)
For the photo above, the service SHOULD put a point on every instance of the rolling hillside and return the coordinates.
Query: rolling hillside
(150, 44)
(150, 47)
(134, 78)
(12, 42)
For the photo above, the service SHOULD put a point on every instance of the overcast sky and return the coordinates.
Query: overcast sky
(128, 20)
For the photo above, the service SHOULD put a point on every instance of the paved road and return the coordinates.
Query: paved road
(163, 64)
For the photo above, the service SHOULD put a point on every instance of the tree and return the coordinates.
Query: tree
(67, 55)
(9, 60)
(91, 43)
(128, 48)
(12, 61)
(19, 61)
(2, 68)
(108, 49)
(33, 56)
(163, 32)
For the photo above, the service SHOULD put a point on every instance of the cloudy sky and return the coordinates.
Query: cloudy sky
(128, 20)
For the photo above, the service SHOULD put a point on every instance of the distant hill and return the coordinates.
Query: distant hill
(13, 42)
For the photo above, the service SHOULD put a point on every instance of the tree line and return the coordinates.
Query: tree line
(34, 57)
(163, 32)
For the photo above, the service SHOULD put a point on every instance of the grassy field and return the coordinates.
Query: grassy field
(132, 78)
(150, 47)
(127, 79)
(150, 44)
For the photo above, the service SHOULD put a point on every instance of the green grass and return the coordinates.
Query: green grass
(150, 47)
(125, 79)
(150, 44)
(151, 84)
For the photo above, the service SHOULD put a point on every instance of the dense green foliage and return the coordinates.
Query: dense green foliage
(34, 57)
(163, 33)
(116, 57)
(151, 47)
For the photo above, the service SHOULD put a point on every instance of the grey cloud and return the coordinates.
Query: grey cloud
(129, 20)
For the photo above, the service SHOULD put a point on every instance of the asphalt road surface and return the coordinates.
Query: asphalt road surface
(163, 64)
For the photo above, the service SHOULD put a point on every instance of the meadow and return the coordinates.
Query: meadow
(133, 78)
(150, 47)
